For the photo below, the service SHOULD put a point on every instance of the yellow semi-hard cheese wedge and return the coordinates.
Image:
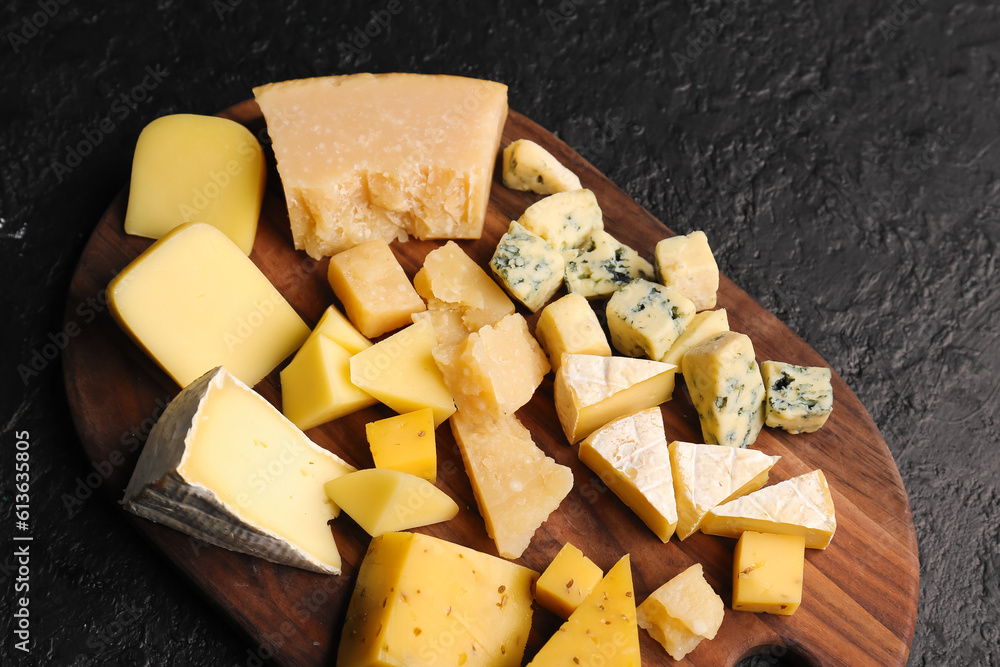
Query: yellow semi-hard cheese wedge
(767, 573)
(682, 612)
(709, 475)
(567, 581)
(383, 156)
(405, 443)
(798, 506)
(194, 301)
(381, 500)
(423, 602)
(602, 630)
(190, 168)
(336, 326)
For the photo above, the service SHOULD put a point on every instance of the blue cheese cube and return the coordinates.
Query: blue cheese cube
(528, 166)
(645, 318)
(603, 266)
(566, 220)
(687, 264)
(799, 398)
(726, 388)
(528, 267)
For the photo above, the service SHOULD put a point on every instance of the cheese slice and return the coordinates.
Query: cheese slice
(630, 456)
(383, 156)
(223, 465)
(798, 506)
(602, 630)
(591, 390)
(708, 475)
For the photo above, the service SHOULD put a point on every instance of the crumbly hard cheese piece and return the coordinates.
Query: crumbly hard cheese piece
(194, 301)
(190, 168)
(592, 390)
(645, 318)
(566, 220)
(687, 264)
(708, 475)
(528, 267)
(568, 579)
(630, 456)
(381, 156)
(603, 266)
(682, 612)
(381, 500)
(405, 443)
(528, 166)
(602, 630)
(376, 293)
(798, 506)
(223, 465)
(453, 278)
(703, 325)
(726, 389)
(799, 398)
(767, 573)
(423, 602)
(570, 325)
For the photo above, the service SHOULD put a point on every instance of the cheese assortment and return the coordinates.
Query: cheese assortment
(528, 166)
(799, 398)
(682, 612)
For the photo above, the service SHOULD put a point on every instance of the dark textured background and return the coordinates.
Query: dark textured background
(840, 156)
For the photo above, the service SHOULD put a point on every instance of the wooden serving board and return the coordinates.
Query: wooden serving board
(860, 595)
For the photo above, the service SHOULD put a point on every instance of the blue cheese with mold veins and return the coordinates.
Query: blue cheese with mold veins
(799, 398)
(566, 220)
(726, 388)
(528, 166)
(603, 266)
(645, 318)
(527, 266)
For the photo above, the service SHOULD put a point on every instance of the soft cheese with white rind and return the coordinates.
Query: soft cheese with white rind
(224, 466)
(630, 456)
(802, 506)
(708, 475)
(528, 267)
(528, 166)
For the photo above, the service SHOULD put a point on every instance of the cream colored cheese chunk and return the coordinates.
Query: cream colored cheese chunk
(528, 166)
(687, 264)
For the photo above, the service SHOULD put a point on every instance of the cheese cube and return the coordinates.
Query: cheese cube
(591, 390)
(799, 398)
(376, 293)
(528, 267)
(630, 456)
(602, 630)
(423, 602)
(645, 318)
(568, 579)
(316, 385)
(190, 168)
(726, 389)
(383, 156)
(528, 166)
(682, 612)
(603, 266)
(703, 325)
(452, 277)
(503, 365)
(687, 264)
(802, 506)
(381, 500)
(569, 325)
(767, 573)
(400, 371)
(334, 325)
(194, 301)
(566, 220)
(405, 443)
(706, 476)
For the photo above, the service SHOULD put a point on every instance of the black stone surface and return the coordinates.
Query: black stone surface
(842, 157)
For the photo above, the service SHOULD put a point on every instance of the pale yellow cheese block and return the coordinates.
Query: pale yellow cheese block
(194, 301)
(381, 500)
(423, 602)
(405, 443)
(767, 573)
(366, 156)
(190, 168)
(709, 475)
(567, 581)
(687, 264)
(570, 325)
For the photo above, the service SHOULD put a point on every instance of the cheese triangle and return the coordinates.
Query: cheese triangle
(798, 506)
(603, 629)
(708, 475)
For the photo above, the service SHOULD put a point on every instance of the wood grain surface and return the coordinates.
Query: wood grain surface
(860, 595)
